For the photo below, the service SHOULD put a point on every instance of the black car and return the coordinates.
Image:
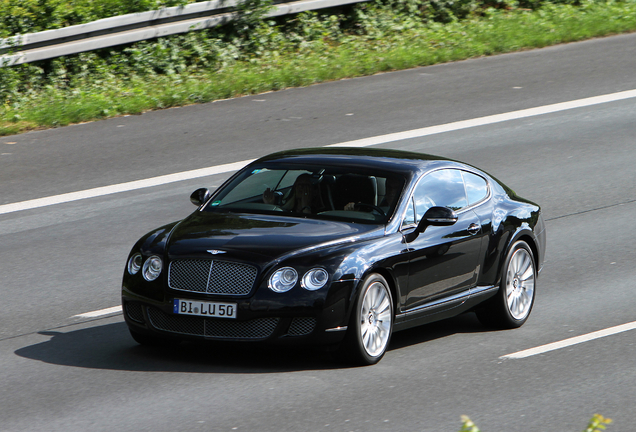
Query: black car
(337, 246)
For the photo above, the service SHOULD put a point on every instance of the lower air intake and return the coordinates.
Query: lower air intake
(255, 329)
(133, 310)
(301, 326)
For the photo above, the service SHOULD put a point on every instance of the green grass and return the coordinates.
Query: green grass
(497, 31)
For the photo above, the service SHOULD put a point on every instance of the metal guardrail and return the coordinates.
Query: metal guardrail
(136, 27)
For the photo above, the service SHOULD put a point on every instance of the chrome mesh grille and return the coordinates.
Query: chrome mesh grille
(255, 329)
(260, 328)
(189, 275)
(212, 277)
(133, 310)
(301, 326)
(188, 325)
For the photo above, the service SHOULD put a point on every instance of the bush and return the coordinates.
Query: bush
(597, 424)
(31, 16)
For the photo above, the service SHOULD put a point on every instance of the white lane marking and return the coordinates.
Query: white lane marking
(571, 341)
(99, 313)
(365, 142)
(482, 121)
(122, 187)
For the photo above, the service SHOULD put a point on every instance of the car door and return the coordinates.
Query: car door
(443, 259)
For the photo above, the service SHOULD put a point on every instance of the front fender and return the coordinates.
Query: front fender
(153, 243)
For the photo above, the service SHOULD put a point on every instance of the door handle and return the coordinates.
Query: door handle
(474, 229)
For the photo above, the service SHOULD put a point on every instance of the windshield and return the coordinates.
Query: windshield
(332, 193)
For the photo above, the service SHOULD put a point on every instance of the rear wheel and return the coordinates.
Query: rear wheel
(512, 304)
(371, 322)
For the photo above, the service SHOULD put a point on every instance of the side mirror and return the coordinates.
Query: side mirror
(435, 216)
(200, 196)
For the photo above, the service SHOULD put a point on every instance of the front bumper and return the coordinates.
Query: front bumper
(320, 321)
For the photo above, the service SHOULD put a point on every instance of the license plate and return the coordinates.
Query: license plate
(203, 308)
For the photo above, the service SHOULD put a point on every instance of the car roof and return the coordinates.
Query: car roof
(395, 161)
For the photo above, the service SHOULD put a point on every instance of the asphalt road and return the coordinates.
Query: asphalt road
(63, 373)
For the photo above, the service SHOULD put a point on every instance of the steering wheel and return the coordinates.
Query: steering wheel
(371, 207)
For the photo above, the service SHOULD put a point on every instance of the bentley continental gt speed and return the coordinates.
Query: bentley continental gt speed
(339, 247)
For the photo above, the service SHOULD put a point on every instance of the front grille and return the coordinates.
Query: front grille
(133, 310)
(301, 326)
(211, 277)
(259, 328)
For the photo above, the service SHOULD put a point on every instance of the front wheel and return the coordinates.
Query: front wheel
(371, 322)
(512, 304)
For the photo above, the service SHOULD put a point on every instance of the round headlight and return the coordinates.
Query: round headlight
(283, 280)
(315, 279)
(134, 263)
(152, 268)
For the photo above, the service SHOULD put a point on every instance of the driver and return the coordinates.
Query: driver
(303, 199)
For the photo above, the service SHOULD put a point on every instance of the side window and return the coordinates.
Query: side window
(443, 188)
(476, 187)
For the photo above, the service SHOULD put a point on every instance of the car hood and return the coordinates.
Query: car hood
(258, 238)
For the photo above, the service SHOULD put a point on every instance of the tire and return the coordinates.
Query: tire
(511, 306)
(371, 323)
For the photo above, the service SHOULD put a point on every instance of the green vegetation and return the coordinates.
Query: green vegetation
(597, 424)
(31, 16)
(252, 55)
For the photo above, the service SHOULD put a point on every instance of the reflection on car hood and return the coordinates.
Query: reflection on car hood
(256, 238)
